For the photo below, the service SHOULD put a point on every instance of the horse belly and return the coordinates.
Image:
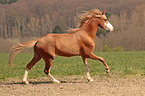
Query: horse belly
(67, 50)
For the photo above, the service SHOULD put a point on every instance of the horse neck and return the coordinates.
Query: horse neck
(91, 28)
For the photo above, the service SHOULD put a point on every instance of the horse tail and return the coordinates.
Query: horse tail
(17, 48)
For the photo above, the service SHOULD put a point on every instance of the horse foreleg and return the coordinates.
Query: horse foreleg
(48, 64)
(53, 79)
(92, 56)
(87, 69)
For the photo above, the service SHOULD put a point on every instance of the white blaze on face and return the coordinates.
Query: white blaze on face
(108, 26)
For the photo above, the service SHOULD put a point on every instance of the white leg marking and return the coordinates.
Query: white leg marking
(88, 74)
(53, 79)
(25, 77)
(88, 77)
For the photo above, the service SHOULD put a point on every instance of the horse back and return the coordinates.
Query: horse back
(60, 44)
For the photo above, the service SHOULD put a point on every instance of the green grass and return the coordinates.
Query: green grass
(121, 64)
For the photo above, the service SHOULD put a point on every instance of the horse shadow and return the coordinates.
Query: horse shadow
(42, 82)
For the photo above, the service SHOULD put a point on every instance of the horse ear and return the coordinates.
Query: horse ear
(103, 13)
(101, 16)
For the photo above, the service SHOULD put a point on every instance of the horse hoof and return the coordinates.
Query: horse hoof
(25, 82)
(56, 81)
(90, 80)
(108, 71)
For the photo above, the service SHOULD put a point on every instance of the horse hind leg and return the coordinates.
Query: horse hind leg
(48, 63)
(35, 59)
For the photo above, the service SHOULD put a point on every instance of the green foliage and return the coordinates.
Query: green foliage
(101, 31)
(118, 48)
(62, 22)
(107, 48)
(7, 1)
(108, 15)
(58, 29)
(122, 64)
(115, 49)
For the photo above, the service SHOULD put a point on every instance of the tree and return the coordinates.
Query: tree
(7, 1)
(58, 29)
(108, 15)
(62, 22)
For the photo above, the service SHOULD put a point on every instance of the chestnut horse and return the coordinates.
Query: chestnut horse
(79, 41)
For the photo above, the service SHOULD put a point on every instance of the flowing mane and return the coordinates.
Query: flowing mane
(84, 18)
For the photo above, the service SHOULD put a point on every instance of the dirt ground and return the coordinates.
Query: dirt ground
(76, 86)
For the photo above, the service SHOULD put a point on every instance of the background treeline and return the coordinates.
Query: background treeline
(21, 20)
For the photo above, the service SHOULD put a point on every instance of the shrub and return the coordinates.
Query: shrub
(115, 49)
(107, 48)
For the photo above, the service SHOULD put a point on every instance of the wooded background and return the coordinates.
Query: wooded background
(23, 20)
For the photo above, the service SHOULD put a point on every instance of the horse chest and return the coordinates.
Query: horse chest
(87, 42)
(89, 45)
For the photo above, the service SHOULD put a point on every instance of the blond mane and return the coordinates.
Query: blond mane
(84, 18)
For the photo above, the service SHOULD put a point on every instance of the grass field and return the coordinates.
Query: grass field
(122, 64)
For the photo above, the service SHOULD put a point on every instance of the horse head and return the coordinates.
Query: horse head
(103, 22)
